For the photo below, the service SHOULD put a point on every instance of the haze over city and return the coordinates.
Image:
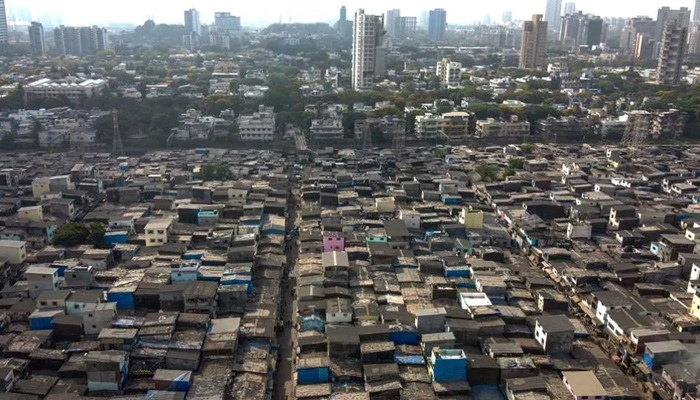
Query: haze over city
(257, 13)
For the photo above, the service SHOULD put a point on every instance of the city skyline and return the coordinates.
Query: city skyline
(75, 12)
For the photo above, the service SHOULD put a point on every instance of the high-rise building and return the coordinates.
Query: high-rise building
(391, 21)
(192, 21)
(593, 31)
(37, 45)
(569, 8)
(533, 49)
(507, 17)
(671, 52)
(644, 45)
(4, 35)
(694, 40)
(552, 15)
(226, 23)
(666, 14)
(343, 14)
(571, 32)
(437, 22)
(368, 52)
(449, 72)
(404, 28)
(344, 27)
(423, 19)
(696, 12)
(80, 41)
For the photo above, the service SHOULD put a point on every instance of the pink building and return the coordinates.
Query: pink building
(333, 241)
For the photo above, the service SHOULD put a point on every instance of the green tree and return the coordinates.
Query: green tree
(487, 172)
(96, 236)
(516, 163)
(71, 234)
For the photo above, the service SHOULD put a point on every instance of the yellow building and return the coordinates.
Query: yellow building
(471, 219)
(158, 232)
(385, 204)
(31, 214)
(14, 251)
(694, 309)
(41, 186)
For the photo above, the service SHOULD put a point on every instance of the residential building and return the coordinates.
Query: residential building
(569, 8)
(499, 128)
(673, 44)
(97, 316)
(368, 52)
(437, 23)
(72, 88)
(533, 48)
(405, 28)
(224, 22)
(4, 34)
(449, 72)
(14, 251)
(391, 22)
(80, 41)
(259, 126)
(584, 385)
(428, 126)
(665, 15)
(158, 232)
(107, 371)
(696, 12)
(192, 24)
(668, 124)
(457, 124)
(555, 334)
(37, 45)
(327, 129)
(644, 46)
(552, 15)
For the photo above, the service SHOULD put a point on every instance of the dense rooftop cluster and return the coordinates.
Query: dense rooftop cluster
(519, 272)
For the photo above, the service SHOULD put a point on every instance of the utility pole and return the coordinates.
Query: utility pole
(117, 145)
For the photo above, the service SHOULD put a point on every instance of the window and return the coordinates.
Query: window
(55, 303)
(43, 303)
(76, 306)
(90, 315)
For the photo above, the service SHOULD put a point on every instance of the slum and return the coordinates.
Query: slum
(576, 276)
(181, 300)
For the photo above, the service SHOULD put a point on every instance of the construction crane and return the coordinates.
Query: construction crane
(117, 145)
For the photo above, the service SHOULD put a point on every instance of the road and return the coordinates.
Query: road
(284, 382)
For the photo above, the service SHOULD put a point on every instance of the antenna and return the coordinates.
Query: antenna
(117, 146)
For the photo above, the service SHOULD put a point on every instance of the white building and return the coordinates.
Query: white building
(450, 72)
(74, 89)
(428, 125)
(259, 126)
(327, 129)
(368, 52)
(158, 232)
(494, 128)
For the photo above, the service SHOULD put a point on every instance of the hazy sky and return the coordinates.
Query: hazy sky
(82, 12)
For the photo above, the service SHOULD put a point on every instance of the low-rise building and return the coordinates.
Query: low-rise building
(259, 126)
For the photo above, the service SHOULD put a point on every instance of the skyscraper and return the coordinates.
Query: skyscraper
(406, 28)
(437, 22)
(4, 36)
(533, 48)
(507, 17)
(671, 53)
(368, 53)
(37, 45)
(569, 8)
(343, 14)
(593, 31)
(79, 41)
(226, 23)
(192, 21)
(552, 15)
(696, 12)
(391, 22)
(665, 14)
